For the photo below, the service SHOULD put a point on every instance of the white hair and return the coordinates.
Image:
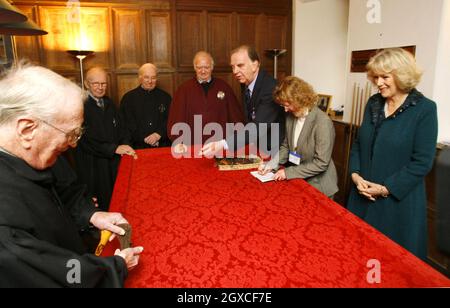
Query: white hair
(29, 90)
(205, 54)
(146, 66)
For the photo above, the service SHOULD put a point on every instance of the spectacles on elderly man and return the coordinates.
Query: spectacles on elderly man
(72, 137)
(98, 84)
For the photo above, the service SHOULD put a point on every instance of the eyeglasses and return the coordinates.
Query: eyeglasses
(72, 137)
(151, 78)
(98, 84)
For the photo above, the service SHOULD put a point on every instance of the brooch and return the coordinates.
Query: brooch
(162, 108)
(220, 95)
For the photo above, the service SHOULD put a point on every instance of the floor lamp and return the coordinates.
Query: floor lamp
(80, 55)
(275, 53)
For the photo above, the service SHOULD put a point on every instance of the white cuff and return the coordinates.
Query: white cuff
(224, 144)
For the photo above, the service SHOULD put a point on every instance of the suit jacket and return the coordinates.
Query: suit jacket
(266, 111)
(315, 145)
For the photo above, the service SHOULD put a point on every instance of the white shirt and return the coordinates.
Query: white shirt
(202, 81)
(298, 129)
(251, 86)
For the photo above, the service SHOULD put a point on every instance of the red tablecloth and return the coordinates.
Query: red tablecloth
(207, 228)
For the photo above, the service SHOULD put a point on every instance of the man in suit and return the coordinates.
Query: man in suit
(260, 109)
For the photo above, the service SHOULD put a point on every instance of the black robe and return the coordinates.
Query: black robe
(95, 160)
(41, 214)
(145, 112)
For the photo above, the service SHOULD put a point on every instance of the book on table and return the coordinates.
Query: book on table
(238, 163)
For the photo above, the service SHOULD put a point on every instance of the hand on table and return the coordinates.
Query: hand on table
(179, 148)
(211, 149)
(125, 149)
(280, 175)
(263, 169)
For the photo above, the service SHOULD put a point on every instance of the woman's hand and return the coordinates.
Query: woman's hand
(360, 183)
(362, 186)
(280, 175)
(377, 190)
(264, 169)
(368, 189)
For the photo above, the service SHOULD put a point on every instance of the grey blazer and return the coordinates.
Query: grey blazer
(315, 145)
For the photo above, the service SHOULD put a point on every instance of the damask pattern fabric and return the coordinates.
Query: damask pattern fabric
(207, 228)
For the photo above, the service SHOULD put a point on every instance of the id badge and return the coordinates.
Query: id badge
(294, 158)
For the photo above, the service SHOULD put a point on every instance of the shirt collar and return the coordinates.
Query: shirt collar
(22, 168)
(251, 86)
(145, 90)
(378, 105)
(202, 81)
(92, 96)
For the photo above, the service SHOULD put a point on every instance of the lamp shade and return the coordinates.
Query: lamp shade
(21, 28)
(9, 13)
(276, 52)
(80, 52)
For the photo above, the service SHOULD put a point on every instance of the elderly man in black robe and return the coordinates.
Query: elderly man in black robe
(105, 140)
(41, 114)
(145, 110)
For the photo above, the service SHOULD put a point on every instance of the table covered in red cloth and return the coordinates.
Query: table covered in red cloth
(202, 227)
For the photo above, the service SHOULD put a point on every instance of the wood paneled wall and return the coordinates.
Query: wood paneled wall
(126, 34)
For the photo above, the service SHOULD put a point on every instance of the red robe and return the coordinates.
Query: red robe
(219, 105)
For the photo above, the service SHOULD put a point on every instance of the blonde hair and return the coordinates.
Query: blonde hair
(297, 92)
(398, 62)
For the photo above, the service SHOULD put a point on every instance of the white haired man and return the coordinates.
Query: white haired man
(41, 114)
(145, 110)
(98, 153)
(206, 96)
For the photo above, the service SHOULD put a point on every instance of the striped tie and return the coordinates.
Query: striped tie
(101, 103)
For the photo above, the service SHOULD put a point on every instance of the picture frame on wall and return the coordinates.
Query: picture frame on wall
(324, 102)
